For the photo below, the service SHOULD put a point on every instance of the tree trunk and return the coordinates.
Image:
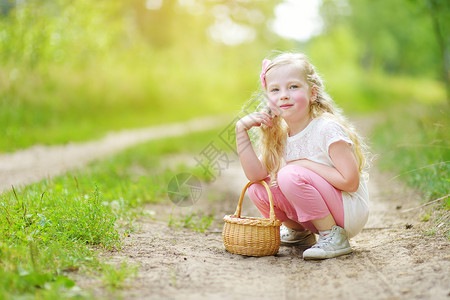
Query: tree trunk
(436, 7)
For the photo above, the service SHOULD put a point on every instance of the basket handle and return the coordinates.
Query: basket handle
(239, 206)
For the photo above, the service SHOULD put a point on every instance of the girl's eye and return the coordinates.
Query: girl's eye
(274, 90)
(294, 86)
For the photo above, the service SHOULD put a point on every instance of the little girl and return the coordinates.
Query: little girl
(312, 157)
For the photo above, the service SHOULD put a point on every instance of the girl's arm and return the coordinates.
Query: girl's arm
(253, 168)
(345, 173)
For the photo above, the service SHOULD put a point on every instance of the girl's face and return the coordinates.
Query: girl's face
(289, 94)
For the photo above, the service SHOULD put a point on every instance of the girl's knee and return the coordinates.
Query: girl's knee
(260, 198)
(292, 176)
(257, 193)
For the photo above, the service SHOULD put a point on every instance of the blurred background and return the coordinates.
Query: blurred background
(74, 70)
(71, 70)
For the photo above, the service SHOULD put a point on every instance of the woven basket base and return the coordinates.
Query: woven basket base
(251, 240)
(252, 236)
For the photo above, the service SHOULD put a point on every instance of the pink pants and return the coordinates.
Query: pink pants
(301, 196)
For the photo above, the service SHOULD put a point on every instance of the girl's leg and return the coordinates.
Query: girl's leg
(317, 204)
(293, 225)
(258, 194)
(292, 232)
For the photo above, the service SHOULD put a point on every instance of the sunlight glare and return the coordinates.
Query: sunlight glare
(153, 4)
(298, 19)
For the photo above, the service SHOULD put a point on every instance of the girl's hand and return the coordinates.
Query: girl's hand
(253, 168)
(254, 119)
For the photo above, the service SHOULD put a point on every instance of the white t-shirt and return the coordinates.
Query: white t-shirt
(313, 143)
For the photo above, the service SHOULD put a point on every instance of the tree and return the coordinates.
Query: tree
(440, 15)
(395, 36)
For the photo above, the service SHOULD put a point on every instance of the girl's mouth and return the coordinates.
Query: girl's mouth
(285, 106)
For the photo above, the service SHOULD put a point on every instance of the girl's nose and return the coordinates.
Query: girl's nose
(284, 95)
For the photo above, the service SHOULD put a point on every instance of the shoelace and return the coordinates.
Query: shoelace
(324, 240)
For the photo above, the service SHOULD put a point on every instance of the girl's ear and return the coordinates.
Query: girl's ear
(314, 93)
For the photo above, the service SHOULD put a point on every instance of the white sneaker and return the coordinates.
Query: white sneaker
(332, 243)
(303, 238)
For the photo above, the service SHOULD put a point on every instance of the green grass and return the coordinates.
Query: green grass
(413, 142)
(44, 236)
(115, 277)
(197, 221)
(360, 92)
(109, 78)
(64, 105)
(53, 228)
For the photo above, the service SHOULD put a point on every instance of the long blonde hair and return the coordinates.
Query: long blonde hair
(272, 140)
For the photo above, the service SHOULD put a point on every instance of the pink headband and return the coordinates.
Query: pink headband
(262, 76)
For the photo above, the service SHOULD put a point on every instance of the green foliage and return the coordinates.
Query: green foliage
(358, 91)
(412, 141)
(416, 147)
(44, 235)
(383, 30)
(196, 221)
(43, 285)
(44, 32)
(38, 245)
(32, 110)
(70, 216)
(74, 70)
(114, 277)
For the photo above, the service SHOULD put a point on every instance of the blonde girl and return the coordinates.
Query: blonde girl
(312, 157)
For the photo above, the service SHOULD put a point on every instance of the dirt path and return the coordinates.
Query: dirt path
(392, 259)
(38, 162)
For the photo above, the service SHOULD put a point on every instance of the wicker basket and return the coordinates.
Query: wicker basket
(252, 236)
